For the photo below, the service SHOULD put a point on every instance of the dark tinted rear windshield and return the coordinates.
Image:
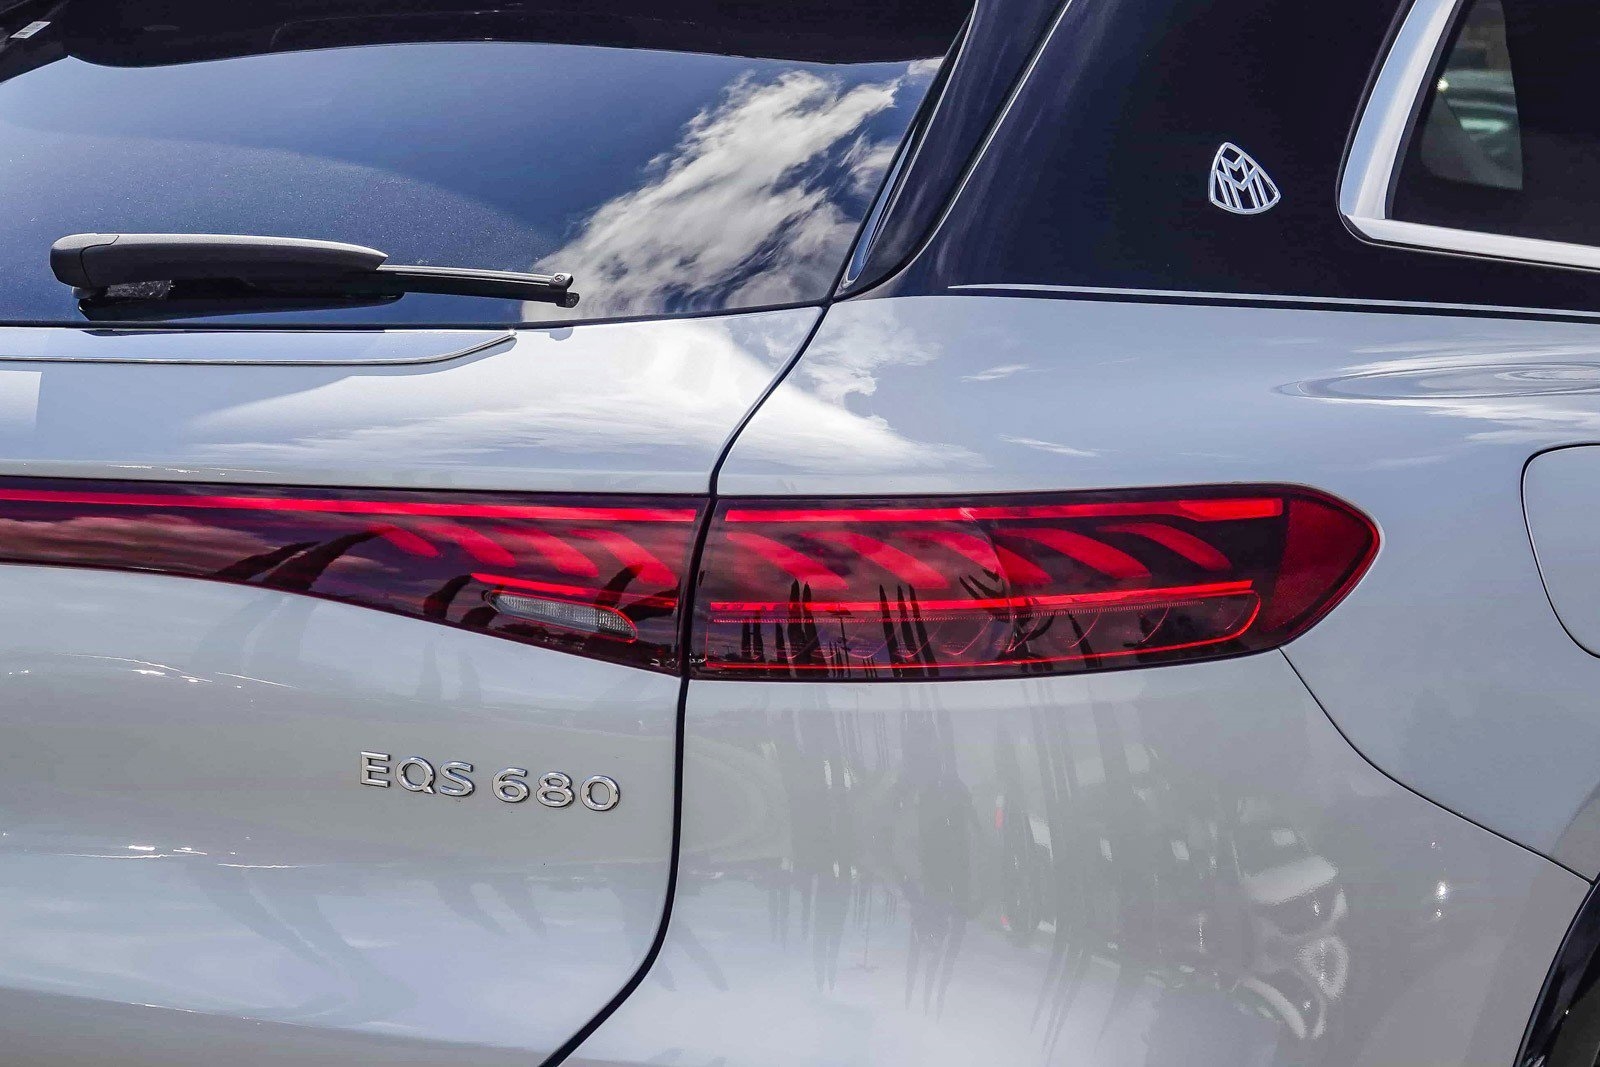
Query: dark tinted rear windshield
(675, 158)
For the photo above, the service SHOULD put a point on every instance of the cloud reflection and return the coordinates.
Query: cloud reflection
(810, 424)
(644, 393)
(1052, 447)
(756, 204)
(604, 398)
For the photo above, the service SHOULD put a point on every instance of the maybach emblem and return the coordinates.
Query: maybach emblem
(1239, 184)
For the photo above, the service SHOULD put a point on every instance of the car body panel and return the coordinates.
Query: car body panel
(185, 826)
(621, 407)
(190, 856)
(1560, 490)
(1361, 849)
(26, 344)
(1186, 864)
(1423, 421)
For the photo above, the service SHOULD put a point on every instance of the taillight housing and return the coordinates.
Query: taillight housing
(600, 577)
(861, 589)
(995, 587)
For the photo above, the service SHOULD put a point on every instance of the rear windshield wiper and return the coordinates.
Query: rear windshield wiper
(152, 275)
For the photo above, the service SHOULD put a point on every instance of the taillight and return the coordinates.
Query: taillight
(987, 587)
(600, 577)
(812, 589)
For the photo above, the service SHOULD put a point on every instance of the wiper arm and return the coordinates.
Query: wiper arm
(164, 301)
(119, 269)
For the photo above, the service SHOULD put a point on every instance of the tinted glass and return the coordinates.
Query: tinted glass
(689, 163)
(1471, 133)
(1508, 140)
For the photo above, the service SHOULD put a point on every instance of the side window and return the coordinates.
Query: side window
(1471, 134)
(1507, 140)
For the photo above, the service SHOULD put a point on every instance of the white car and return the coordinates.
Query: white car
(916, 534)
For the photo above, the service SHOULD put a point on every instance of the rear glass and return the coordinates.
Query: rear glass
(673, 158)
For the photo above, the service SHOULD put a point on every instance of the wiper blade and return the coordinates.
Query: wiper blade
(475, 281)
(125, 268)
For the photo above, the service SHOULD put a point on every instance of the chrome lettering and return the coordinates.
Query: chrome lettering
(374, 764)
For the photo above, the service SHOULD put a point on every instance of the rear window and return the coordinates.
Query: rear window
(674, 158)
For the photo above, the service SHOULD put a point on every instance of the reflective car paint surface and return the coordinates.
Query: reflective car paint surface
(967, 851)
(234, 818)
(190, 857)
(164, 345)
(1180, 865)
(1559, 491)
(620, 407)
(185, 829)
(1422, 421)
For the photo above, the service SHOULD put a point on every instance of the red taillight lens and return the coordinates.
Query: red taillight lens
(965, 589)
(599, 577)
(788, 589)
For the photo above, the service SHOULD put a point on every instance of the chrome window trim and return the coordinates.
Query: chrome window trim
(1375, 153)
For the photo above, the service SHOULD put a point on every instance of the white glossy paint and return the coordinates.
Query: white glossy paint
(621, 407)
(188, 861)
(241, 347)
(1143, 867)
(1561, 492)
(1179, 865)
(190, 868)
(1446, 666)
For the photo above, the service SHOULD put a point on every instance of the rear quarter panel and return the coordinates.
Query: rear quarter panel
(1193, 863)
(1180, 865)
(1446, 666)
